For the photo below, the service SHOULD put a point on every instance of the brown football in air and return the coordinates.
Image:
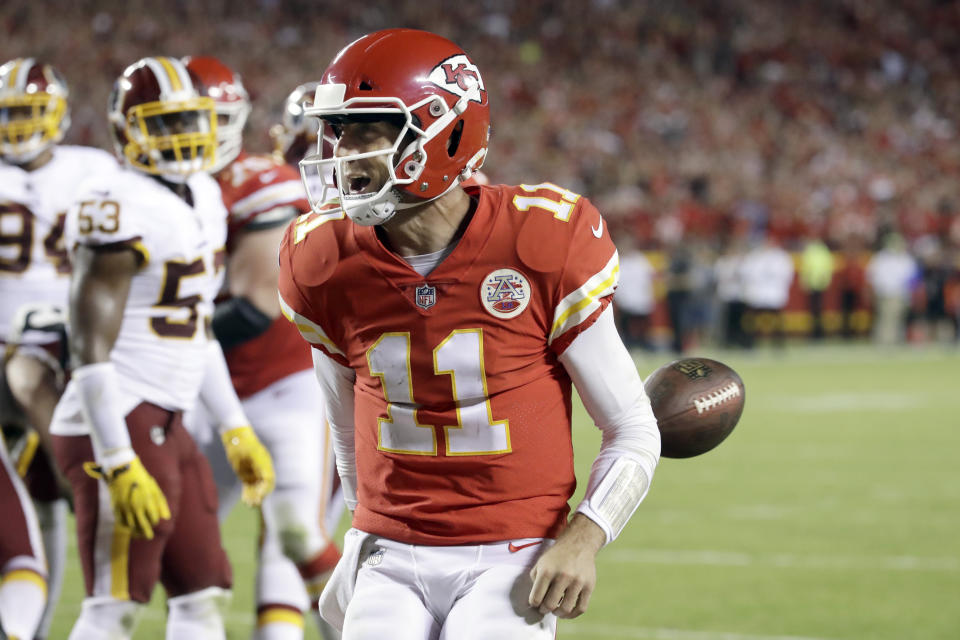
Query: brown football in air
(697, 402)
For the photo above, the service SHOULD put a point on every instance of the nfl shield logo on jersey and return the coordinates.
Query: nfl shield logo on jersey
(375, 557)
(505, 293)
(426, 296)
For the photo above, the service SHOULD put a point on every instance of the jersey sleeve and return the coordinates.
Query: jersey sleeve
(296, 303)
(269, 195)
(588, 279)
(102, 217)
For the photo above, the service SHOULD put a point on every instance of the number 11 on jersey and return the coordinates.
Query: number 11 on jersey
(460, 356)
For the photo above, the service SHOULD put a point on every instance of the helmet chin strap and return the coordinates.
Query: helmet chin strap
(387, 206)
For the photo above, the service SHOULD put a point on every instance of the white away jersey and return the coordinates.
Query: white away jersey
(160, 351)
(33, 205)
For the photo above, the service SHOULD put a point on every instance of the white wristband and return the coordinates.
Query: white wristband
(618, 484)
(96, 386)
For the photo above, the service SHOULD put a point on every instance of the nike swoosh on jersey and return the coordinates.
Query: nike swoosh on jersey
(513, 548)
(598, 230)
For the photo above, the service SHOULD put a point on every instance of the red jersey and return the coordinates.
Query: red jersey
(462, 410)
(260, 192)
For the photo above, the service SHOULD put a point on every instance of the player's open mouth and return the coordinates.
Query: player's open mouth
(357, 184)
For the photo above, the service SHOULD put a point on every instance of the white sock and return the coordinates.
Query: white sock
(53, 527)
(22, 597)
(196, 616)
(106, 619)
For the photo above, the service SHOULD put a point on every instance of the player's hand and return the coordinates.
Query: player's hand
(136, 498)
(565, 574)
(251, 462)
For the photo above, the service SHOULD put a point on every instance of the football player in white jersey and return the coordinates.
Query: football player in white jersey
(38, 179)
(147, 249)
(272, 371)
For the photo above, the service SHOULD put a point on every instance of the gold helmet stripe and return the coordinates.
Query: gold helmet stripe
(161, 73)
(172, 73)
(18, 81)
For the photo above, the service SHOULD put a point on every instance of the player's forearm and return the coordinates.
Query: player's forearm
(336, 385)
(217, 392)
(345, 452)
(612, 392)
(96, 386)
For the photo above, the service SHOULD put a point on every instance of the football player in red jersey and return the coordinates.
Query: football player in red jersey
(295, 136)
(449, 326)
(271, 369)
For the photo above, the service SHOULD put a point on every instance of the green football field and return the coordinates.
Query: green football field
(832, 512)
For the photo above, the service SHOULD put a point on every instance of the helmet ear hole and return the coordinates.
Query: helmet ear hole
(453, 142)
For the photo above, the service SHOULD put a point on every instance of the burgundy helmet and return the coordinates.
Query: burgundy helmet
(159, 122)
(34, 114)
(426, 84)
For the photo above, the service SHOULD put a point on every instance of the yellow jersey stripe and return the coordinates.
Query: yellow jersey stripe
(579, 304)
(310, 331)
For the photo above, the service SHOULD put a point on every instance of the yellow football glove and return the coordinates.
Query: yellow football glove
(136, 498)
(251, 462)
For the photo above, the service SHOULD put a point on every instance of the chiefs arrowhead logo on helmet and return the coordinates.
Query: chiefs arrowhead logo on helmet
(458, 76)
(425, 85)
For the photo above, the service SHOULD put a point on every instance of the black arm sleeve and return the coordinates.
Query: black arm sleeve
(237, 320)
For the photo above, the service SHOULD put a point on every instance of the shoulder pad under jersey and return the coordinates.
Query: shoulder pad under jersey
(256, 184)
(543, 242)
(311, 247)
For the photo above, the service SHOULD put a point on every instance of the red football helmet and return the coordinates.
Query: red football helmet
(427, 84)
(160, 123)
(231, 101)
(295, 135)
(34, 114)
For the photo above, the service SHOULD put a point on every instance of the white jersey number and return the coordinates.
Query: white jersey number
(460, 356)
(561, 207)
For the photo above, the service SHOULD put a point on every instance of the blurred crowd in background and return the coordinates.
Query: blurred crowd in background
(781, 168)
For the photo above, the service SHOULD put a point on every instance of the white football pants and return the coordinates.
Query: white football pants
(288, 418)
(476, 592)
